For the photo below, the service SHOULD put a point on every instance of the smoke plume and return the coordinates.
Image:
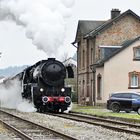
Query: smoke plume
(44, 20)
(10, 97)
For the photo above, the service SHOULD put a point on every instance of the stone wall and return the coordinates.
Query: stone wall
(120, 31)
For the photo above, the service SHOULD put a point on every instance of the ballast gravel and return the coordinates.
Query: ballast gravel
(5, 134)
(79, 130)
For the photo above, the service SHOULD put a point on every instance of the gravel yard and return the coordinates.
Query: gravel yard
(82, 131)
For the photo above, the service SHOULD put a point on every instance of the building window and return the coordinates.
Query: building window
(137, 53)
(83, 58)
(91, 55)
(134, 80)
(83, 87)
(99, 86)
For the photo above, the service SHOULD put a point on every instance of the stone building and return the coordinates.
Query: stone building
(90, 38)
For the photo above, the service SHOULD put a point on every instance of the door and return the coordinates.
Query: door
(126, 101)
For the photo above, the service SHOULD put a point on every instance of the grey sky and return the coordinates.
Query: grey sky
(18, 50)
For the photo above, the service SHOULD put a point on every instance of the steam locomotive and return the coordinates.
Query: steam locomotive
(44, 84)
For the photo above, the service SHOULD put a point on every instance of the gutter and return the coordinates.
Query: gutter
(73, 43)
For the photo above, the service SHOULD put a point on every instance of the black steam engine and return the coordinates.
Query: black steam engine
(44, 85)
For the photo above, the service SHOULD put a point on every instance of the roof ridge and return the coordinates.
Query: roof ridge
(108, 22)
(91, 20)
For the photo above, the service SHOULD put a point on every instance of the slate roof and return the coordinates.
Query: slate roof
(85, 26)
(124, 46)
(108, 23)
(91, 28)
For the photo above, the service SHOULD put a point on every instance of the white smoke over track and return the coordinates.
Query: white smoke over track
(10, 97)
(44, 20)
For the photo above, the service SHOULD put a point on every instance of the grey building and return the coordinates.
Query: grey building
(89, 39)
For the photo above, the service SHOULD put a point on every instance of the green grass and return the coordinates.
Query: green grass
(99, 111)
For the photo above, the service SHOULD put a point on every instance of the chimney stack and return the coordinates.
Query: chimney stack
(115, 13)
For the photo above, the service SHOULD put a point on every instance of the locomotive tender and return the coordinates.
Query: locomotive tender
(44, 84)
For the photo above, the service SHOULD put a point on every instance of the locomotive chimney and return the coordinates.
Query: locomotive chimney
(115, 13)
(51, 59)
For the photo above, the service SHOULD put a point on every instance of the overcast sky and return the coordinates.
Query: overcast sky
(18, 50)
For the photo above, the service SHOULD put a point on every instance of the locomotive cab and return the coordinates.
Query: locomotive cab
(70, 72)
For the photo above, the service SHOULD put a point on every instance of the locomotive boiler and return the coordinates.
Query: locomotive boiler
(44, 84)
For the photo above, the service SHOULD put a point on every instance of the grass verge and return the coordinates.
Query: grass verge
(103, 112)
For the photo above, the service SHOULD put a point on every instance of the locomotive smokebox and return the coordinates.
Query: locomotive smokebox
(53, 72)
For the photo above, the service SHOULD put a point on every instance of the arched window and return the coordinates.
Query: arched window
(91, 55)
(99, 86)
(83, 87)
(83, 58)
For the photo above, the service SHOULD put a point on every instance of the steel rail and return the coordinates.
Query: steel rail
(108, 117)
(16, 131)
(106, 120)
(25, 136)
(106, 123)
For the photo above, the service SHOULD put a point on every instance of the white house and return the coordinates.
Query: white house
(119, 71)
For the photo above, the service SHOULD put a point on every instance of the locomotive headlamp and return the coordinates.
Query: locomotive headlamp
(41, 89)
(62, 90)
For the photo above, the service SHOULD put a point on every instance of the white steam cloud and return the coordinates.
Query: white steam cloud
(10, 97)
(43, 20)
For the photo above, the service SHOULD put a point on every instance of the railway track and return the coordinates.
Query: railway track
(27, 130)
(116, 125)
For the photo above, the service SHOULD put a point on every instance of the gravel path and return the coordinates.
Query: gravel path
(82, 131)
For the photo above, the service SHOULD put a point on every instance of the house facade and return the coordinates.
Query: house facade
(118, 72)
(90, 37)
